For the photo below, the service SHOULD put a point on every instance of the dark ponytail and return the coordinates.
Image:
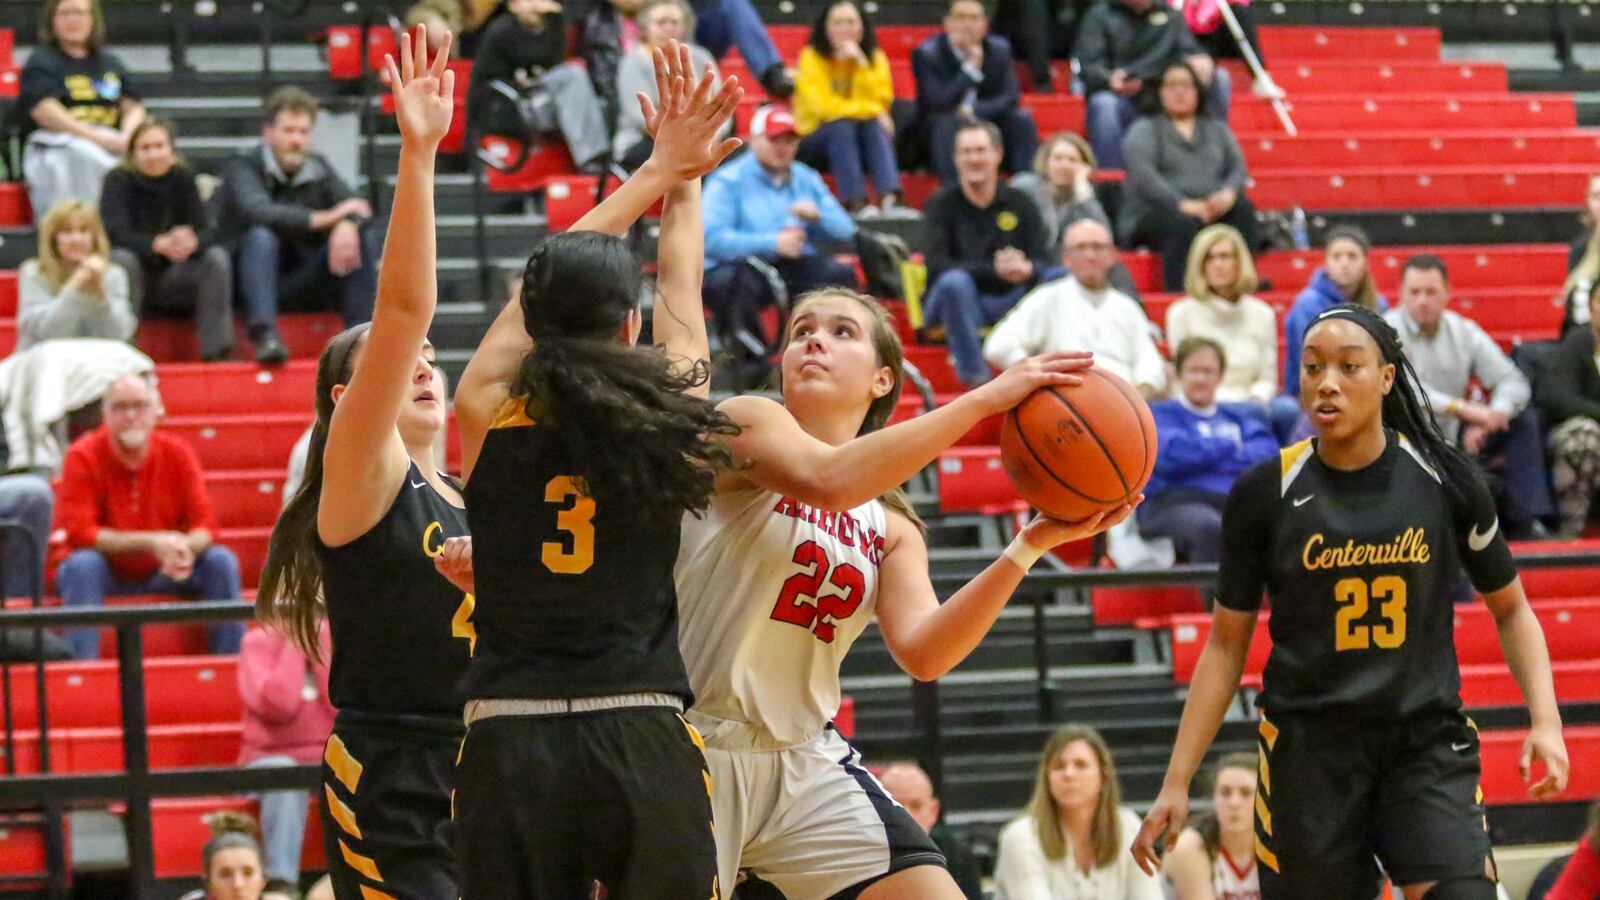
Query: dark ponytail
(624, 424)
(1405, 406)
(290, 595)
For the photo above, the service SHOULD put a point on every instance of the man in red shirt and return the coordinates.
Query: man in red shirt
(136, 518)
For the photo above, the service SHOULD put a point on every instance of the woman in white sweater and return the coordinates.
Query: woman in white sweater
(659, 21)
(1071, 842)
(1218, 305)
(72, 289)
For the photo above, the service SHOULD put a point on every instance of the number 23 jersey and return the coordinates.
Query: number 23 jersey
(771, 594)
(1360, 568)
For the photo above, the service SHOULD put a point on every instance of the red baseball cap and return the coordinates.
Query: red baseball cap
(772, 121)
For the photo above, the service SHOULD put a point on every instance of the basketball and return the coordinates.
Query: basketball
(1073, 451)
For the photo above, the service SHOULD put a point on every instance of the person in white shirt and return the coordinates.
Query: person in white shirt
(1083, 312)
(1218, 305)
(1449, 352)
(1070, 843)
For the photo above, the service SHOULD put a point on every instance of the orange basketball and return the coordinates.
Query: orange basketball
(1074, 451)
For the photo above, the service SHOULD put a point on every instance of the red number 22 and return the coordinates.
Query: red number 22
(815, 616)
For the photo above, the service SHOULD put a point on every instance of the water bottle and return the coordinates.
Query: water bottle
(1298, 234)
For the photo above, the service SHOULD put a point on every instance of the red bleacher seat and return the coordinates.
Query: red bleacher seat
(549, 160)
(10, 82)
(22, 853)
(1344, 115)
(1319, 42)
(1272, 150)
(1500, 750)
(245, 498)
(1127, 606)
(344, 50)
(250, 545)
(14, 209)
(1307, 77)
(195, 389)
(242, 440)
(86, 694)
(971, 479)
(8, 293)
(7, 44)
(1408, 188)
(180, 831)
(175, 340)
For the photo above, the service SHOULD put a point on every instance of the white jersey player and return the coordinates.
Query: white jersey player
(774, 585)
(1216, 859)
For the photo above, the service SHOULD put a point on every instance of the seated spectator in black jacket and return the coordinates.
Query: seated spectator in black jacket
(911, 787)
(1185, 171)
(967, 73)
(297, 231)
(527, 52)
(162, 235)
(607, 35)
(1124, 49)
(1568, 394)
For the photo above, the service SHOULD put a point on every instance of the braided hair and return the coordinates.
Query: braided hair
(1404, 406)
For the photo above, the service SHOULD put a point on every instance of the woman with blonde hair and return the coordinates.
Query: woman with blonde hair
(1345, 277)
(1583, 262)
(72, 289)
(1218, 304)
(659, 21)
(1067, 845)
(1059, 185)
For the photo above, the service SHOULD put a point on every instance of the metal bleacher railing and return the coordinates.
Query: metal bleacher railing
(49, 793)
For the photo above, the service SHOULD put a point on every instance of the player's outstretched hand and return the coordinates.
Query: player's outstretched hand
(1167, 817)
(1047, 533)
(1015, 384)
(1544, 745)
(424, 92)
(690, 117)
(454, 562)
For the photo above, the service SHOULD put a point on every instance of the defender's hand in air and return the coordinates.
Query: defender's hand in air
(1015, 384)
(1047, 533)
(424, 93)
(690, 117)
(454, 562)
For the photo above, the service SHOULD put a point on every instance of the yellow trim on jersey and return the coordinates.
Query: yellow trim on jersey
(1291, 460)
(1263, 815)
(1264, 772)
(345, 767)
(1269, 733)
(344, 815)
(513, 414)
(1267, 857)
(375, 894)
(366, 865)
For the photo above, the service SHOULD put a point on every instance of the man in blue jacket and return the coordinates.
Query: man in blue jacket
(1202, 448)
(967, 73)
(765, 214)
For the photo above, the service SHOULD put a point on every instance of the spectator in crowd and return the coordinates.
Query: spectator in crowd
(230, 861)
(1569, 397)
(1583, 263)
(1343, 278)
(527, 52)
(161, 235)
(985, 246)
(841, 109)
(287, 719)
(659, 21)
(1203, 446)
(136, 517)
(1579, 875)
(1218, 304)
(1026, 25)
(765, 214)
(721, 24)
(1450, 352)
(1125, 48)
(27, 500)
(1204, 18)
(609, 33)
(1072, 841)
(1083, 312)
(1215, 859)
(437, 18)
(965, 73)
(1185, 171)
(1059, 184)
(909, 786)
(80, 106)
(72, 289)
(297, 231)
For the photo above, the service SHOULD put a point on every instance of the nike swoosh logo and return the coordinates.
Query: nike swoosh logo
(1476, 542)
(1460, 747)
(1304, 500)
(417, 484)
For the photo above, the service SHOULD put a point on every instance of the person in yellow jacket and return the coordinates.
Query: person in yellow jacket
(841, 102)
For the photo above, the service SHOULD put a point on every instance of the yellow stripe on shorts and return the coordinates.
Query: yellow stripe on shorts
(344, 815)
(366, 865)
(344, 766)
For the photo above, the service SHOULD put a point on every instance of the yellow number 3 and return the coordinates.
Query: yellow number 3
(1354, 597)
(576, 520)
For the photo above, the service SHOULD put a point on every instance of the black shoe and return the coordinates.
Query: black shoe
(270, 351)
(217, 355)
(778, 84)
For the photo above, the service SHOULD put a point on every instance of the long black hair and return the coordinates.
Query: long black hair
(290, 595)
(623, 423)
(1404, 407)
(819, 32)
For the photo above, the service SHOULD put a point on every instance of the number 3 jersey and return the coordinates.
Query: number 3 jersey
(773, 593)
(1360, 568)
(574, 598)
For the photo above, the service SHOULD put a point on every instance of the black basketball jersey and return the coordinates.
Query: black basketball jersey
(401, 632)
(1359, 568)
(574, 599)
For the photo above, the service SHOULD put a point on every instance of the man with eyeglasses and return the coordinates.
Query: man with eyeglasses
(132, 517)
(1083, 312)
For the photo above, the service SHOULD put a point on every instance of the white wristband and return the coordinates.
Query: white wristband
(1022, 553)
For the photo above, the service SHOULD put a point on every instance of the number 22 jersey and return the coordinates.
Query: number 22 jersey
(1360, 568)
(772, 593)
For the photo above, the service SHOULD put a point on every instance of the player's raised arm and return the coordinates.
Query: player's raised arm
(365, 457)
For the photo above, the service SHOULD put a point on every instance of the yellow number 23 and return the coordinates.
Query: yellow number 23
(1354, 597)
(575, 554)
